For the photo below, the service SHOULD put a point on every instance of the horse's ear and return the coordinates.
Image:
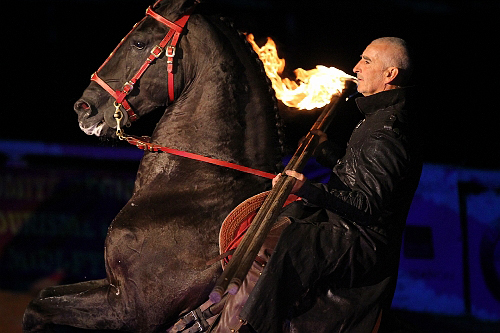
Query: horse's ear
(156, 4)
(175, 6)
(190, 3)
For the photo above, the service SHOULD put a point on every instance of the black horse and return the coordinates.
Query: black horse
(158, 245)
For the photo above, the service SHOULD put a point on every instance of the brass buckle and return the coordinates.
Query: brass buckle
(156, 51)
(170, 53)
(118, 115)
(128, 87)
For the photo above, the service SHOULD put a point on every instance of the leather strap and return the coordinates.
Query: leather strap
(142, 143)
(117, 95)
(377, 324)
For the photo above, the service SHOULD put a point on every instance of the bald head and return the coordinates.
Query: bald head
(395, 55)
(384, 65)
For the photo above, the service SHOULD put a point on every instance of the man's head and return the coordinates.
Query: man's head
(384, 65)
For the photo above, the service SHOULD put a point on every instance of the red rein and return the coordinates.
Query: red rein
(143, 144)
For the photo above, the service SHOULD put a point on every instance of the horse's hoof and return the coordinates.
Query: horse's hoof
(32, 321)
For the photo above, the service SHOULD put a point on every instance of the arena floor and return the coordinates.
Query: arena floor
(12, 307)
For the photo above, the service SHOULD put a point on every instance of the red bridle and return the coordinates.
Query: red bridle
(172, 36)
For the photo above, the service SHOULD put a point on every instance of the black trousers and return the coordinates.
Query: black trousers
(330, 267)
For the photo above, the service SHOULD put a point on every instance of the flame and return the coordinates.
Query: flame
(312, 88)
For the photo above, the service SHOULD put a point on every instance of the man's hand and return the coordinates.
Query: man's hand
(299, 179)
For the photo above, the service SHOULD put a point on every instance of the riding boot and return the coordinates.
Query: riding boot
(229, 320)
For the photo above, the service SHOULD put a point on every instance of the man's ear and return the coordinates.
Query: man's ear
(391, 74)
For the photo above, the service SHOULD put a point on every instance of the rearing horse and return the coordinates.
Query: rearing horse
(157, 246)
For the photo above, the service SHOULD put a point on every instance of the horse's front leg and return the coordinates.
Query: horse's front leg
(89, 305)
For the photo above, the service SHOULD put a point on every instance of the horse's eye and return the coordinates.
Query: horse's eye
(139, 45)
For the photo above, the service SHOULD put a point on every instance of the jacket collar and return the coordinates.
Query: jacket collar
(370, 104)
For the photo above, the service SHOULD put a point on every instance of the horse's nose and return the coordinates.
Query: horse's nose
(81, 106)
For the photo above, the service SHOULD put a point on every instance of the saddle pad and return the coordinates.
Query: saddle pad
(237, 222)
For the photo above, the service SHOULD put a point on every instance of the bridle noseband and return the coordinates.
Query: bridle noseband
(172, 36)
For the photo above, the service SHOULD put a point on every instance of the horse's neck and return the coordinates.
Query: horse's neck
(225, 110)
(195, 125)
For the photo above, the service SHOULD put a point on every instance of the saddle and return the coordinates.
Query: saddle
(223, 317)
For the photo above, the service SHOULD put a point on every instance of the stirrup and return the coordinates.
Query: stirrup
(197, 320)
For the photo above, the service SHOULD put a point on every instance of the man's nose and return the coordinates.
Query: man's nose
(356, 68)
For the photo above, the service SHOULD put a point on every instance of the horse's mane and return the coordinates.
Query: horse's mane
(216, 14)
(278, 120)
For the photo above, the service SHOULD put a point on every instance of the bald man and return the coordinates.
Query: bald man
(335, 266)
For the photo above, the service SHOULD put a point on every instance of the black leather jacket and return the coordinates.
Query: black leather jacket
(373, 183)
(341, 254)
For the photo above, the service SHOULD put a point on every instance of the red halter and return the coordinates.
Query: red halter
(172, 36)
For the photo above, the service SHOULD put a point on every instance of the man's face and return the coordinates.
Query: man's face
(370, 69)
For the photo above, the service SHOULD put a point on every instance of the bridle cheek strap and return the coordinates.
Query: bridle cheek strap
(172, 36)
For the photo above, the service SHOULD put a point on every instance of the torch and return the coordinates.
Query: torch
(238, 267)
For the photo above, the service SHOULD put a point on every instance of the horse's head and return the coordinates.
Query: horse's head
(135, 77)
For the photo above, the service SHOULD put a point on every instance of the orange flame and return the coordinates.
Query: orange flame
(312, 89)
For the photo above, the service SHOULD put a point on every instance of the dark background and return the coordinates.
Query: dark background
(53, 46)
